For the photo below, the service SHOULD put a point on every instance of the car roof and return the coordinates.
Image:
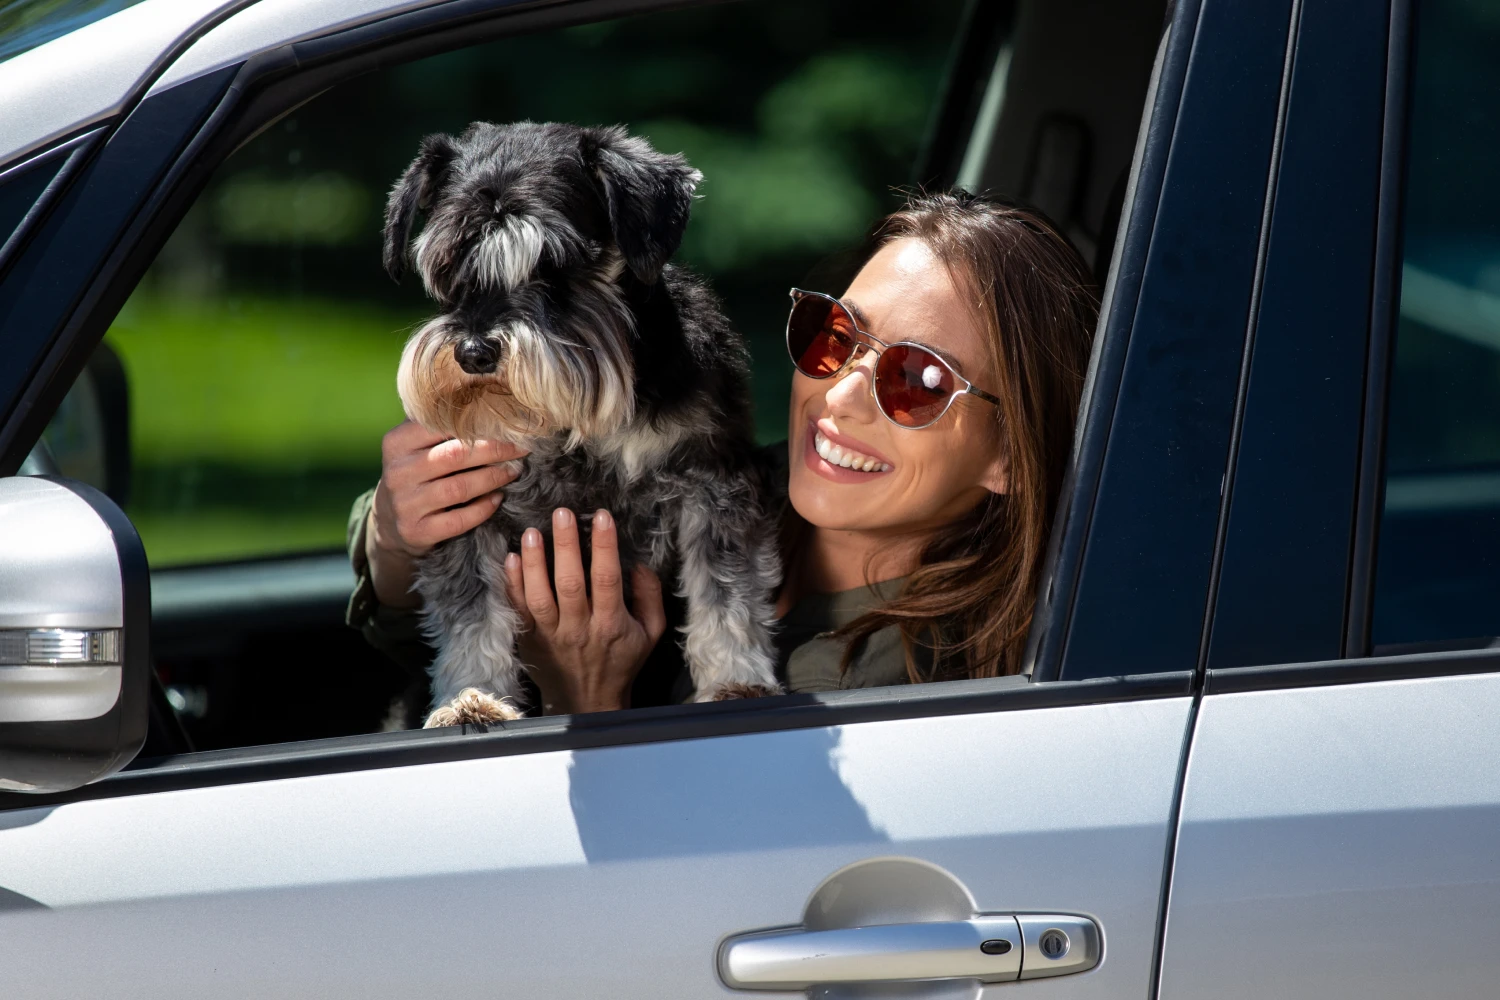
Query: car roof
(83, 78)
(63, 86)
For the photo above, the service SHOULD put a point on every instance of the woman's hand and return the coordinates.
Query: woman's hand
(431, 489)
(583, 655)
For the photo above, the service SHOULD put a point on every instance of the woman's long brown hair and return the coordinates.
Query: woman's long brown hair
(965, 611)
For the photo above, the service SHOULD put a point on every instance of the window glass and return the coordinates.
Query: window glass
(1438, 578)
(261, 347)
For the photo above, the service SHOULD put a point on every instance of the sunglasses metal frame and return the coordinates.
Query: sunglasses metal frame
(876, 346)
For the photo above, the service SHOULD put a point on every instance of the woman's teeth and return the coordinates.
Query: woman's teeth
(834, 455)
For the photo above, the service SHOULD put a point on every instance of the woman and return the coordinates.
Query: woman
(931, 417)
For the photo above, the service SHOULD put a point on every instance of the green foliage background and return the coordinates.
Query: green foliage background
(261, 348)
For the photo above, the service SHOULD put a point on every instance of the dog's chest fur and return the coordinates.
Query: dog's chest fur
(618, 477)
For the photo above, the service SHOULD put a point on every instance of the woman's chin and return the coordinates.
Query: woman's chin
(830, 503)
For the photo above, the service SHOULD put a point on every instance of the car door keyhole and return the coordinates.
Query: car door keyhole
(1053, 944)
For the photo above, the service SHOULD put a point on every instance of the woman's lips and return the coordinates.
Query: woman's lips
(840, 460)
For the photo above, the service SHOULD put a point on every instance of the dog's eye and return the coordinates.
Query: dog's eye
(491, 201)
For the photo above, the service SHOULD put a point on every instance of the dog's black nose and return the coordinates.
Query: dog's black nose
(477, 355)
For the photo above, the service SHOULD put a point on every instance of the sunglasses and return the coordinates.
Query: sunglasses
(912, 386)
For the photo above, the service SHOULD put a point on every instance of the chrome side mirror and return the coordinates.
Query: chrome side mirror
(75, 610)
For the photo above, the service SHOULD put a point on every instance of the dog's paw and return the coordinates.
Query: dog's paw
(472, 707)
(734, 692)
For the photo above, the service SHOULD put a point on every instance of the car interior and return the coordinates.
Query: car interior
(236, 437)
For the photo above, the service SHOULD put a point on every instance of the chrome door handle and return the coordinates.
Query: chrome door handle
(991, 949)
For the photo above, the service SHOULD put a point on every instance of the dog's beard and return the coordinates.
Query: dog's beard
(544, 384)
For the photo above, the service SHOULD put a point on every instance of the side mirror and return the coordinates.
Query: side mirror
(75, 611)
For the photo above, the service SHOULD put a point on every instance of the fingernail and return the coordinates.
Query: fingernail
(496, 497)
(562, 517)
(531, 538)
(601, 520)
(512, 560)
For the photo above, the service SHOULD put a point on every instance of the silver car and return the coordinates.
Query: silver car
(1256, 749)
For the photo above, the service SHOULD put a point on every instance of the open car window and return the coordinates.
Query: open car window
(259, 351)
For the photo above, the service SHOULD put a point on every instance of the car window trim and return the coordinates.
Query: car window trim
(662, 724)
(1385, 306)
(1357, 670)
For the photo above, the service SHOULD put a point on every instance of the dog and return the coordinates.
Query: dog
(564, 328)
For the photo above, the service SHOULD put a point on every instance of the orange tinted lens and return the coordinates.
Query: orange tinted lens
(819, 336)
(913, 386)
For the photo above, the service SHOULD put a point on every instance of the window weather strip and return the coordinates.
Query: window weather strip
(1385, 302)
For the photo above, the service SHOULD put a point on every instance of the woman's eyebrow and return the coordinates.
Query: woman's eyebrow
(859, 314)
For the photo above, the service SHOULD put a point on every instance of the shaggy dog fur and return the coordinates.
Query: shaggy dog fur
(564, 328)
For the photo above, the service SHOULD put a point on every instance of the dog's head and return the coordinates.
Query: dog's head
(531, 232)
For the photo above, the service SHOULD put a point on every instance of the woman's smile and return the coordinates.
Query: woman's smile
(839, 458)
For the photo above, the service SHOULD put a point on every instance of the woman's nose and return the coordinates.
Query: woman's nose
(850, 393)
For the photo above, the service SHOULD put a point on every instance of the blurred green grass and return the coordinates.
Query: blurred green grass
(254, 421)
(276, 382)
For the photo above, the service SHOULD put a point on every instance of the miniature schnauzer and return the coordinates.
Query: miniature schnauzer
(564, 328)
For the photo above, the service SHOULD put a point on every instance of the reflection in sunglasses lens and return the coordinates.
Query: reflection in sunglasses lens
(913, 386)
(820, 336)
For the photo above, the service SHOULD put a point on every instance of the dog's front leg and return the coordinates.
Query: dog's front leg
(477, 674)
(729, 571)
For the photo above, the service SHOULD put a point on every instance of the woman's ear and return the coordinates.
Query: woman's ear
(648, 196)
(995, 478)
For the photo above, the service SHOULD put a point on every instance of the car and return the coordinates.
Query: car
(1254, 749)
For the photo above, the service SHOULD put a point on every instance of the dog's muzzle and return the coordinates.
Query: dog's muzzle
(477, 355)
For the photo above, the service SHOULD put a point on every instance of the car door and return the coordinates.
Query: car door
(1342, 796)
(623, 852)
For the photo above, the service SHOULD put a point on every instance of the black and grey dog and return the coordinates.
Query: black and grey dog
(564, 328)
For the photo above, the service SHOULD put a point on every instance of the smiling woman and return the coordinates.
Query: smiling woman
(954, 517)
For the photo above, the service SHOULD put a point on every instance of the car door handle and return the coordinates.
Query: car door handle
(991, 949)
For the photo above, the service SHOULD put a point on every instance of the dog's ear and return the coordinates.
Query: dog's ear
(413, 192)
(648, 195)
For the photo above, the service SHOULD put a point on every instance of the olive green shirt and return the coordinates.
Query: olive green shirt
(807, 659)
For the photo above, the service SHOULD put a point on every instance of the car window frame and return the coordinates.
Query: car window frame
(212, 115)
(1282, 580)
(1356, 664)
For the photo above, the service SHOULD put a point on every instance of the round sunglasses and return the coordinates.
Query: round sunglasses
(912, 386)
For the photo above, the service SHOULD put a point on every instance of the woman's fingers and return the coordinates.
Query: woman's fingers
(538, 589)
(446, 524)
(461, 487)
(448, 457)
(515, 589)
(567, 561)
(648, 609)
(604, 575)
(406, 438)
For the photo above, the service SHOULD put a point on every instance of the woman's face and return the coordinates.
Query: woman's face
(935, 474)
